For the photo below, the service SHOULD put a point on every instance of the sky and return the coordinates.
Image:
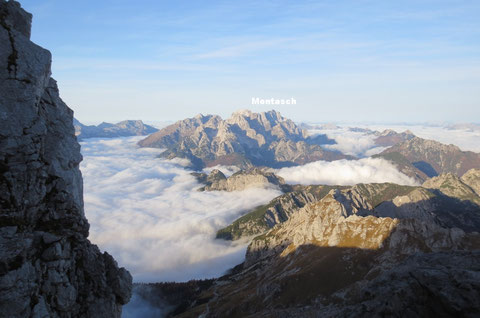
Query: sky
(342, 61)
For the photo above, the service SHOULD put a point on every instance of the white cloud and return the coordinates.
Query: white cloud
(354, 143)
(345, 172)
(145, 212)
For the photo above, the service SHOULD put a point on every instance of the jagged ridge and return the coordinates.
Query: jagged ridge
(245, 139)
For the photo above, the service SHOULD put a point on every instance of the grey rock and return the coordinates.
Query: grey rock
(48, 268)
(241, 180)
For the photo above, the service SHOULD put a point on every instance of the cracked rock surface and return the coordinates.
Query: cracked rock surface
(48, 267)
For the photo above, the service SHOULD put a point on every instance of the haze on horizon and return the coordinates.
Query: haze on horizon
(372, 61)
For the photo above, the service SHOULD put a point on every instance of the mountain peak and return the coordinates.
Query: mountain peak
(245, 139)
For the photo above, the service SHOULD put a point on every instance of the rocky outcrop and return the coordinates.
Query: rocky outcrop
(48, 268)
(347, 220)
(241, 180)
(246, 139)
(431, 158)
(124, 128)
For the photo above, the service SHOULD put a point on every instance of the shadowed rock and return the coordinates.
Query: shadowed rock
(48, 268)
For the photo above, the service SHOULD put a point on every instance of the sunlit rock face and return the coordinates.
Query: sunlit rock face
(48, 268)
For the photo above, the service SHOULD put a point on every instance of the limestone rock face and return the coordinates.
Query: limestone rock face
(245, 139)
(48, 268)
(339, 221)
(253, 178)
(361, 198)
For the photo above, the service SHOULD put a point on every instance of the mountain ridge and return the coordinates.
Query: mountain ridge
(423, 158)
(123, 128)
(245, 139)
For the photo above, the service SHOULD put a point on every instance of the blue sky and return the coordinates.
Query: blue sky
(343, 61)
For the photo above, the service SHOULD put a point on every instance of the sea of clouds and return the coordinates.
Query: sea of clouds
(147, 213)
(345, 172)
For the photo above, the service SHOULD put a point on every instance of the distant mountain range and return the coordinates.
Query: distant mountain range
(267, 139)
(106, 130)
(245, 139)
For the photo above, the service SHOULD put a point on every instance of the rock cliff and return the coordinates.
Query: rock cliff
(48, 268)
(245, 139)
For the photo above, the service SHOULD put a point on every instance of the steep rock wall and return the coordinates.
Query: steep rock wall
(48, 268)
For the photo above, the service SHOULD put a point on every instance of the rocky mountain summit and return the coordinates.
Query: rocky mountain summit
(106, 130)
(245, 139)
(48, 267)
(422, 158)
(363, 251)
(241, 180)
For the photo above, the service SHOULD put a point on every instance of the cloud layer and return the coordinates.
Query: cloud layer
(354, 143)
(147, 213)
(345, 172)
